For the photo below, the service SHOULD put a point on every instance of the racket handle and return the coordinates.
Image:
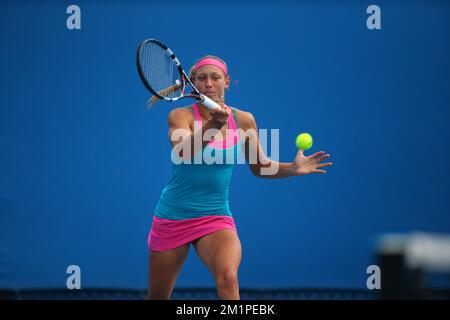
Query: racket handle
(207, 102)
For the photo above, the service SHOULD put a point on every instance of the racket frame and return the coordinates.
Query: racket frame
(184, 77)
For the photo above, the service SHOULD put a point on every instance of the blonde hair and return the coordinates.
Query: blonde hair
(164, 92)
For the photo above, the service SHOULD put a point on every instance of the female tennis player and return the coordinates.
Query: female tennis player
(193, 207)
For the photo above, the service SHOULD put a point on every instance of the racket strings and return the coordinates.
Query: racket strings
(160, 71)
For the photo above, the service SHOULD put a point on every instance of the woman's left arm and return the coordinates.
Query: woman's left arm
(263, 167)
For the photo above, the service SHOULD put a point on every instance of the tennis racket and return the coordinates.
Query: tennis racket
(162, 74)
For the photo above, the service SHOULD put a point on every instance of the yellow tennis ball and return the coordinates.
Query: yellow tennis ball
(304, 141)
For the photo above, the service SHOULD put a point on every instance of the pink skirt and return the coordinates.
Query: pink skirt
(168, 234)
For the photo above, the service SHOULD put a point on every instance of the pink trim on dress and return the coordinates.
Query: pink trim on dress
(232, 133)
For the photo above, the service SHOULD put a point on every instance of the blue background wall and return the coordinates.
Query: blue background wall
(83, 163)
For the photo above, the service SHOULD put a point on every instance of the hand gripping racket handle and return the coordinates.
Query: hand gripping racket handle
(207, 102)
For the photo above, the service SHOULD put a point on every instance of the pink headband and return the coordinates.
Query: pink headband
(211, 61)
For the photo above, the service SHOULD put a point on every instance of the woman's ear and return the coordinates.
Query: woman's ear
(227, 82)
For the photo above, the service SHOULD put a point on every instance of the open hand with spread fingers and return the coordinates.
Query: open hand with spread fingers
(310, 164)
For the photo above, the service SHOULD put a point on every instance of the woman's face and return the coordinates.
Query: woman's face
(212, 82)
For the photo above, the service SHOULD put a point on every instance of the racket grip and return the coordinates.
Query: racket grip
(207, 102)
